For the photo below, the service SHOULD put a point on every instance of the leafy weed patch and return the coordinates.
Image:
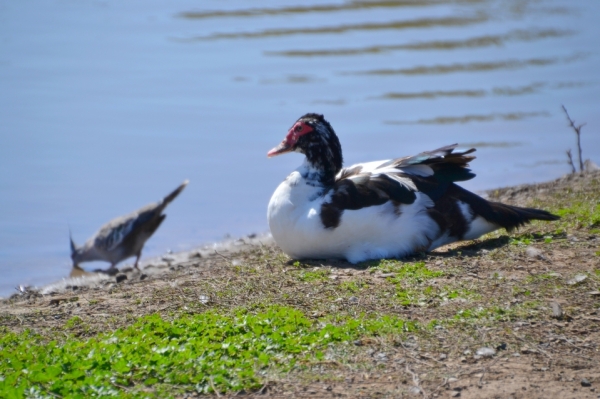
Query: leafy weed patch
(205, 353)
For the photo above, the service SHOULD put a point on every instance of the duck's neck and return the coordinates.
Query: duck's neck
(322, 163)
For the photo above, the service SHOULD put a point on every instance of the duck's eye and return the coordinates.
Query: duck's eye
(298, 128)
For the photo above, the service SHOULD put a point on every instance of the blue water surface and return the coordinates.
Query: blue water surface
(106, 106)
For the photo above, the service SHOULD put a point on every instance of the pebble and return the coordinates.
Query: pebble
(585, 382)
(557, 312)
(577, 279)
(572, 238)
(120, 278)
(485, 352)
(533, 252)
(415, 391)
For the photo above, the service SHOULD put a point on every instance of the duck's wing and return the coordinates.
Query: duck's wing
(397, 180)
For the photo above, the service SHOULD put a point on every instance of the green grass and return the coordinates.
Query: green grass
(587, 213)
(496, 313)
(352, 286)
(314, 276)
(160, 358)
(406, 272)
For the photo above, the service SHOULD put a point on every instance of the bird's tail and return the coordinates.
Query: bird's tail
(501, 215)
(511, 217)
(175, 193)
(73, 245)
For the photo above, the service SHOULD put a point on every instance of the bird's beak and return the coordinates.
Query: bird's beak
(282, 148)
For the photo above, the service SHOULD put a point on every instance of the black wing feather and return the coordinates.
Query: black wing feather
(355, 190)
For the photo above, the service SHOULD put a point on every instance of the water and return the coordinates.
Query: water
(106, 106)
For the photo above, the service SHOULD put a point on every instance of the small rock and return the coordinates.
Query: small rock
(485, 352)
(525, 349)
(443, 356)
(455, 394)
(120, 278)
(353, 299)
(143, 276)
(577, 279)
(594, 293)
(467, 352)
(557, 312)
(380, 357)
(533, 252)
(501, 347)
(415, 391)
(452, 379)
(589, 165)
(333, 277)
(204, 299)
(585, 382)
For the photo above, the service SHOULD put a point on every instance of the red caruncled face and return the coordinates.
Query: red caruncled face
(288, 144)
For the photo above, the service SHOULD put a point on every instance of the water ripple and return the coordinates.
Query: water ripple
(475, 42)
(445, 120)
(470, 67)
(349, 6)
(532, 88)
(491, 144)
(373, 26)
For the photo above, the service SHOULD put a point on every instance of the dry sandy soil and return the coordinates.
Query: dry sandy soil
(528, 299)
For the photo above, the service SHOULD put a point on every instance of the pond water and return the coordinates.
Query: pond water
(106, 106)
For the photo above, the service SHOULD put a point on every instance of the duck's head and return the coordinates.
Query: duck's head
(314, 137)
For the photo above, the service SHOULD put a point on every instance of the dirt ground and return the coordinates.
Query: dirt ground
(514, 315)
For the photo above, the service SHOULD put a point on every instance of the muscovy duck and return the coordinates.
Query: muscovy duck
(382, 209)
(124, 236)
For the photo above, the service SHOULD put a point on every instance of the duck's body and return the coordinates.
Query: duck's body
(383, 209)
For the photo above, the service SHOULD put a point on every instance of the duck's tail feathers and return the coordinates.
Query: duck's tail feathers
(511, 217)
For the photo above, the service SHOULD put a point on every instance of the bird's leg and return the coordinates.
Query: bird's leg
(137, 259)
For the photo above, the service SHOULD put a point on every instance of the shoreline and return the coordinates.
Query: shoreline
(162, 264)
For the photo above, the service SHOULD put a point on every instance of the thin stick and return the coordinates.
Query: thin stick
(577, 130)
(573, 170)
(212, 385)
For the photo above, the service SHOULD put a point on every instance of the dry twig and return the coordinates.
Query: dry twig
(577, 130)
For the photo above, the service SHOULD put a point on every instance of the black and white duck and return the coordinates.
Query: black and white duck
(382, 209)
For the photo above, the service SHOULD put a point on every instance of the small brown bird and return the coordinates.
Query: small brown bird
(125, 236)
